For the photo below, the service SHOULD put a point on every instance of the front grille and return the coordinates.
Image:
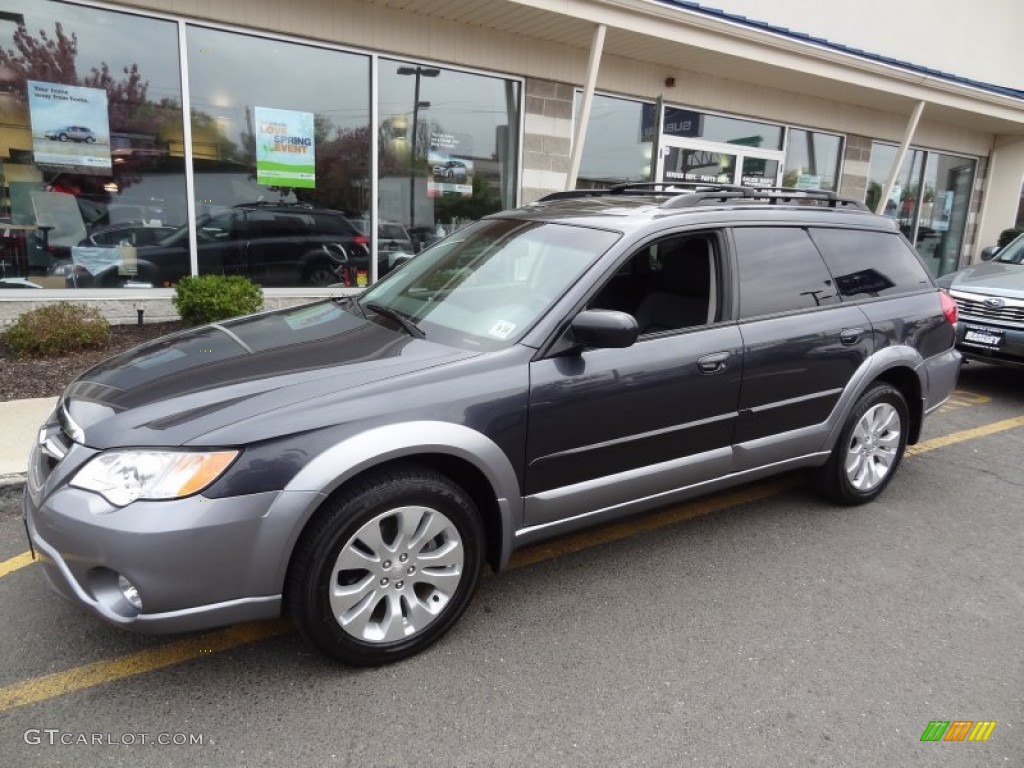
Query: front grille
(974, 305)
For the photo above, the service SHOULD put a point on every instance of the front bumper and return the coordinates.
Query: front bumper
(1007, 347)
(196, 562)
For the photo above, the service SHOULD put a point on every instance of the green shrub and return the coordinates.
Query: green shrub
(209, 298)
(1008, 235)
(57, 329)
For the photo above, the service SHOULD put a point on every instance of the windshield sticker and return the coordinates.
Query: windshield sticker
(502, 329)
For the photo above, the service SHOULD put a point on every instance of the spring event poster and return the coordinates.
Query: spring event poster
(285, 151)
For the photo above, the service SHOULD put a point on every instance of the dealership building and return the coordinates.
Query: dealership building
(141, 142)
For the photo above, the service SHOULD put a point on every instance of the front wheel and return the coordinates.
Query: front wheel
(869, 448)
(320, 274)
(387, 567)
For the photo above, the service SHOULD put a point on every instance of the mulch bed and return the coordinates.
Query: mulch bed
(47, 376)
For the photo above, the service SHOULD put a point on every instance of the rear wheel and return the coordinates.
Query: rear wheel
(387, 567)
(869, 448)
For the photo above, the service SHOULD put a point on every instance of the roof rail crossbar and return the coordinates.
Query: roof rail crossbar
(698, 193)
(571, 193)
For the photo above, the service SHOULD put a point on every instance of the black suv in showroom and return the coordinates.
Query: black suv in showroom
(275, 244)
(356, 461)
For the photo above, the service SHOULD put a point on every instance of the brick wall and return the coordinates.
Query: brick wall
(547, 141)
(856, 162)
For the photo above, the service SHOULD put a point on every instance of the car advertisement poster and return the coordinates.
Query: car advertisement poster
(450, 171)
(70, 127)
(285, 150)
(449, 174)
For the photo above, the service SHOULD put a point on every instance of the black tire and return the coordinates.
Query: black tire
(862, 465)
(374, 508)
(320, 274)
(63, 137)
(89, 139)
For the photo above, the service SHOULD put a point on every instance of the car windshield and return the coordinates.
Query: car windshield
(487, 284)
(1013, 253)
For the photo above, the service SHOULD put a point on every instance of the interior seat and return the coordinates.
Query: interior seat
(683, 293)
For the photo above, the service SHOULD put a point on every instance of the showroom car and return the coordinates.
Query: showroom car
(990, 296)
(355, 462)
(77, 133)
(451, 169)
(276, 244)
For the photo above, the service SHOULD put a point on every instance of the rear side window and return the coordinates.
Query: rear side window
(869, 264)
(780, 271)
(333, 225)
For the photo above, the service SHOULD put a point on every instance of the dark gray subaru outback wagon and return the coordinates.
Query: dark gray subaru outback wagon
(356, 461)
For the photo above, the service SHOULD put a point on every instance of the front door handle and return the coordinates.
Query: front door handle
(850, 336)
(714, 363)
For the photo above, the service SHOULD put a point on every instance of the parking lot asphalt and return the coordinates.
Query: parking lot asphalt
(761, 627)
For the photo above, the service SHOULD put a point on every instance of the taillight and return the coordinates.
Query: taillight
(361, 240)
(949, 308)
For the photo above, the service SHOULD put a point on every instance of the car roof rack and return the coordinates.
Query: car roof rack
(702, 192)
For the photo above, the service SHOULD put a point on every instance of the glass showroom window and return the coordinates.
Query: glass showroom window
(618, 145)
(90, 151)
(812, 160)
(686, 123)
(281, 155)
(448, 153)
(930, 200)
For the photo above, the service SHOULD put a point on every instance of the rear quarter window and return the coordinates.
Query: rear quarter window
(780, 271)
(870, 264)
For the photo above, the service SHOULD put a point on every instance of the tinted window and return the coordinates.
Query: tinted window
(780, 271)
(870, 263)
(333, 225)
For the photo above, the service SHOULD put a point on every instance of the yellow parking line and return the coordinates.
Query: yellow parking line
(968, 434)
(19, 561)
(97, 673)
(59, 683)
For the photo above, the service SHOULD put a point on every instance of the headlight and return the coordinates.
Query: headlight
(121, 477)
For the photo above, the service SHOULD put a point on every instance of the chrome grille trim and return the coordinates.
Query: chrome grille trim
(972, 305)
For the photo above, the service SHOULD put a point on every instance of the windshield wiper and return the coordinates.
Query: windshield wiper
(410, 327)
(350, 301)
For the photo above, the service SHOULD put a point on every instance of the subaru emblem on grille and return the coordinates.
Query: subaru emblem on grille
(994, 303)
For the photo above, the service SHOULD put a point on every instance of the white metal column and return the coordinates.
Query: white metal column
(596, 49)
(900, 157)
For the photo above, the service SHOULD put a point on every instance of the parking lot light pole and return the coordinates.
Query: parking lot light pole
(417, 72)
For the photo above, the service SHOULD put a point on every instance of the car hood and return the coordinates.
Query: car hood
(990, 277)
(173, 390)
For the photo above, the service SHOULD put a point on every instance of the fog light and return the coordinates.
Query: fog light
(131, 594)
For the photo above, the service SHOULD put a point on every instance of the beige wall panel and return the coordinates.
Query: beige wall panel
(377, 28)
(746, 99)
(1002, 194)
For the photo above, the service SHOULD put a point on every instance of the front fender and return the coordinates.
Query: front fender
(354, 455)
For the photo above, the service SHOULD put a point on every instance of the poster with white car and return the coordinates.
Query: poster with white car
(449, 174)
(70, 127)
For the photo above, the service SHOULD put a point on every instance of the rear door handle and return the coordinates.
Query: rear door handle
(714, 363)
(850, 336)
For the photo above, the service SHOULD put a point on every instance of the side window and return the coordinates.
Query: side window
(666, 285)
(868, 264)
(780, 271)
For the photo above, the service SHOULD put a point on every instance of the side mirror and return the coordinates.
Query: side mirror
(988, 253)
(604, 328)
